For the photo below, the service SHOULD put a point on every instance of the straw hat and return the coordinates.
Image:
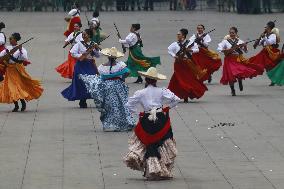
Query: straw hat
(153, 74)
(112, 52)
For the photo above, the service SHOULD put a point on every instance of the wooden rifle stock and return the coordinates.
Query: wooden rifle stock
(119, 36)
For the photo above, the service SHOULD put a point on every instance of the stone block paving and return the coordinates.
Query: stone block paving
(56, 145)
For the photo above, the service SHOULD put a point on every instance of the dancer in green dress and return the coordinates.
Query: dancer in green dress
(276, 75)
(136, 59)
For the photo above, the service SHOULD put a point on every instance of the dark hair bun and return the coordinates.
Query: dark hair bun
(271, 24)
(136, 26)
(2, 25)
(234, 28)
(16, 36)
(184, 31)
(96, 13)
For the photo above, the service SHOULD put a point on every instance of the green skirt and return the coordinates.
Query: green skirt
(138, 62)
(276, 75)
(97, 38)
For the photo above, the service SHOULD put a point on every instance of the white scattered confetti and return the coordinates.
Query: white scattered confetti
(114, 174)
(270, 170)
(252, 158)
(209, 128)
(222, 137)
(236, 146)
(196, 120)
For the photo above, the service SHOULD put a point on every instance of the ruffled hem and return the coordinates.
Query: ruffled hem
(66, 69)
(153, 168)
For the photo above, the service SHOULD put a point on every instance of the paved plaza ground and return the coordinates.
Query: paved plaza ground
(56, 145)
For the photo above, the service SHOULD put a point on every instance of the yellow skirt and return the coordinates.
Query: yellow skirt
(18, 84)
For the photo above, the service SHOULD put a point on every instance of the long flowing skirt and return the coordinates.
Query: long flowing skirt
(207, 59)
(110, 97)
(267, 58)
(77, 90)
(276, 75)
(152, 148)
(138, 62)
(234, 68)
(66, 69)
(185, 82)
(18, 84)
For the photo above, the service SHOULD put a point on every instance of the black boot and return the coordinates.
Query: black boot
(240, 84)
(16, 108)
(233, 92)
(272, 84)
(210, 79)
(83, 104)
(139, 80)
(185, 100)
(23, 105)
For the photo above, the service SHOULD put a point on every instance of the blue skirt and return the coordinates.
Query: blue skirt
(77, 90)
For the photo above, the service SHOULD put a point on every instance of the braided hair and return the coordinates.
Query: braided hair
(112, 61)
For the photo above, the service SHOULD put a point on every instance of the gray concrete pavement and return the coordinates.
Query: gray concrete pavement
(56, 145)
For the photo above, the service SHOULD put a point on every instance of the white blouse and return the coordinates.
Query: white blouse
(104, 70)
(270, 40)
(174, 48)
(2, 39)
(152, 97)
(95, 21)
(77, 39)
(78, 49)
(130, 40)
(224, 45)
(206, 39)
(19, 54)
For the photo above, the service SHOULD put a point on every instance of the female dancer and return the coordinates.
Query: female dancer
(110, 93)
(17, 84)
(84, 52)
(205, 58)
(276, 75)
(152, 148)
(236, 67)
(66, 69)
(2, 47)
(136, 60)
(74, 17)
(186, 81)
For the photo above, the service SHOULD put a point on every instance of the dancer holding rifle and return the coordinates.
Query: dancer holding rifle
(2, 47)
(66, 69)
(235, 67)
(186, 81)
(205, 58)
(17, 84)
(137, 61)
(269, 55)
(84, 52)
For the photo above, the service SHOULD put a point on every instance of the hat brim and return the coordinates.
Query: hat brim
(106, 53)
(158, 77)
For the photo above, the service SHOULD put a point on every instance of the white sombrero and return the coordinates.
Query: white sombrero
(153, 74)
(112, 52)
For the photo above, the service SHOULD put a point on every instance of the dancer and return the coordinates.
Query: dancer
(74, 17)
(66, 69)
(2, 47)
(96, 27)
(269, 55)
(84, 52)
(17, 84)
(276, 75)
(110, 92)
(186, 81)
(205, 58)
(136, 60)
(235, 67)
(152, 147)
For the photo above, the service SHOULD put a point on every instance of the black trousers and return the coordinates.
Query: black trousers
(149, 4)
(121, 5)
(173, 3)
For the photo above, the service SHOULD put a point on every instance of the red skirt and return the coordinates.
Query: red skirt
(184, 82)
(234, 69)
(208, 60)
(66, 69)
(267, 58)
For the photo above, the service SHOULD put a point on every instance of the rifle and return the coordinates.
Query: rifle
(119, 36)
(6, 57)
(258, 39)
(199, 39)
(237, 47)
(72, 40)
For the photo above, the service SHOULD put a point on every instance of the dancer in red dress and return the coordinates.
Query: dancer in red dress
(236, 67)
(75, 18)
(66, 69)
(268, 57)
(205, 58)
(186, 81)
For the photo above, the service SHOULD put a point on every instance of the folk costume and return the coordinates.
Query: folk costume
(276, 75)
(136, 60)
(66, 69)
(236, 67)
(206, 58)
(2, 47)
(186, 82)
(75, 18)
(18, 84)
(77, 90)
(110, 93)
(152, 147)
